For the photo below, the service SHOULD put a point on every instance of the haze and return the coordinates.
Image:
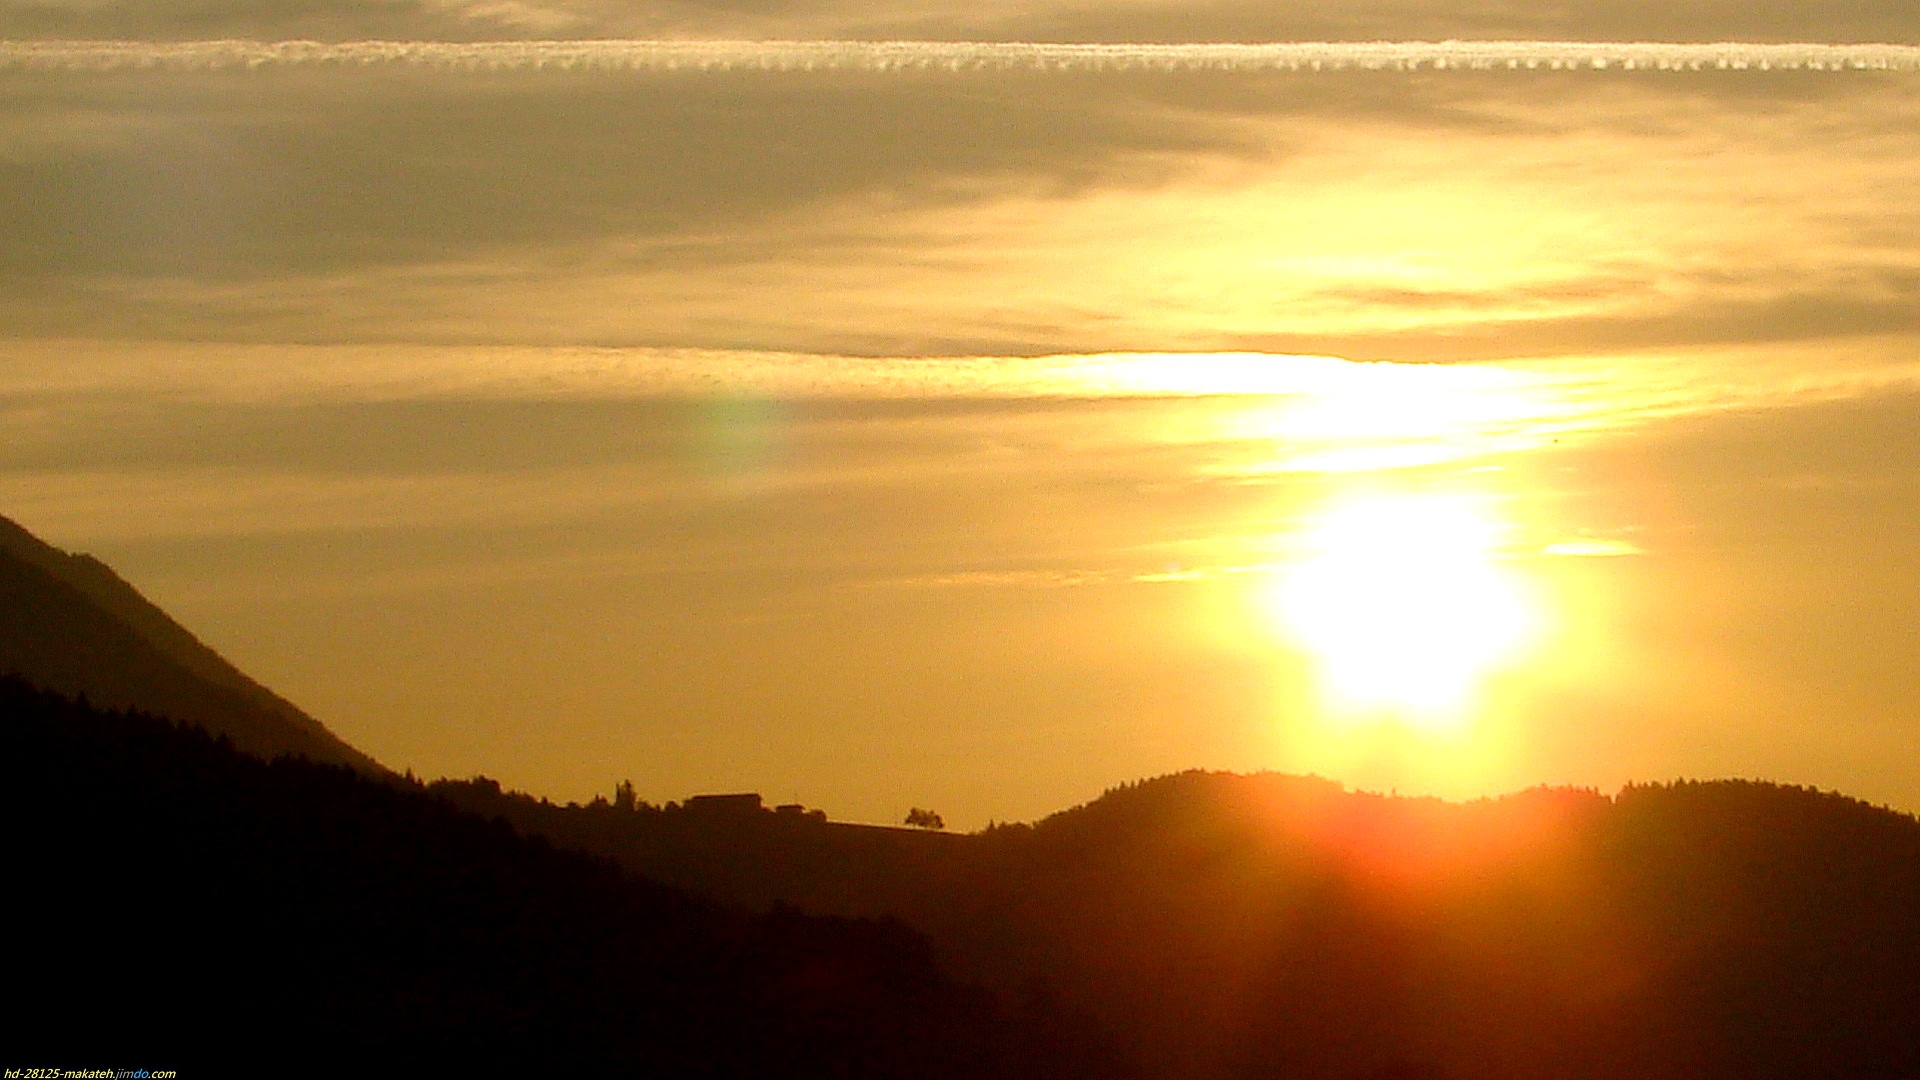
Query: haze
(975, 439)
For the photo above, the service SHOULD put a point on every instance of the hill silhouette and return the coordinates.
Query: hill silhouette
(69, 623)
(1226, 926)
(176, 898)
(1206, 926)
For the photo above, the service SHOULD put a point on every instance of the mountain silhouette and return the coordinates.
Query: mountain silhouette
(1199, 926)
(1226, 927)
(69, 623)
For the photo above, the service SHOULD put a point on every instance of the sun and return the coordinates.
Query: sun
(1404, 606)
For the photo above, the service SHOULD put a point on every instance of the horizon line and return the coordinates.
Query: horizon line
(693, 56)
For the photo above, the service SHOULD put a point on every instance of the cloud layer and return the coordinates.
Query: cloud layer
(654, 358)
(1838, 21)
(668, 55)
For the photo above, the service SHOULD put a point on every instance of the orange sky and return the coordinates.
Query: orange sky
(980, 439)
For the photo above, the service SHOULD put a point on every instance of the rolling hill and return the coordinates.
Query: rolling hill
(1229, 927)
(174, 898)
(1198, 926)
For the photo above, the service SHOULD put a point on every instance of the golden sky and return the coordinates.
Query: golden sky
(980, 436)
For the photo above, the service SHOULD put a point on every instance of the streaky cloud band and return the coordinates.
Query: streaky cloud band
(696, 56)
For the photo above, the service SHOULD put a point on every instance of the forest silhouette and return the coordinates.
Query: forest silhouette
(174, 897)
(1227, 926)
(200, 884)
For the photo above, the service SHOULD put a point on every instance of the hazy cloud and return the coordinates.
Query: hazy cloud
(1589, 547)
(1000, 20)
(697, 56)
(1434, 215)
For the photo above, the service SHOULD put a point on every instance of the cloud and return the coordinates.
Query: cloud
(193, 175)
(992, 20)
(883, 56)
(1592, 548)
(999, 579)
(335, 20)
(1011, 210)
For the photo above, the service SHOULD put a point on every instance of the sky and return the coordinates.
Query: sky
(976, 427)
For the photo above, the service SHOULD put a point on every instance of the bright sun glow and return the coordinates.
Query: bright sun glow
(1404, 606)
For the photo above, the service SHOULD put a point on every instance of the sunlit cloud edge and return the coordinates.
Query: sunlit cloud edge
(836, 55)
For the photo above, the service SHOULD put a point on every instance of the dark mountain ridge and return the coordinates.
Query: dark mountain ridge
(1228, 926)
(1220, 926)
(173, 898)
(69, 623)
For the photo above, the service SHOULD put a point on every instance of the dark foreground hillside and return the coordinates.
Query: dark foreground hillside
(1258, 926)
(174, 899)
(1238, 927)
(69, 623)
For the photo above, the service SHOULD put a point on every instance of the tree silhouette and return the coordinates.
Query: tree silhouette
(925, 819)
(346, 917)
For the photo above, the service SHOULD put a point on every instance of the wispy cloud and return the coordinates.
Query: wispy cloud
(1562, 394)
(1592, 548)
(670, 55)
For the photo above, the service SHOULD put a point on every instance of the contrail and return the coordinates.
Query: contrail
(696, 56)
